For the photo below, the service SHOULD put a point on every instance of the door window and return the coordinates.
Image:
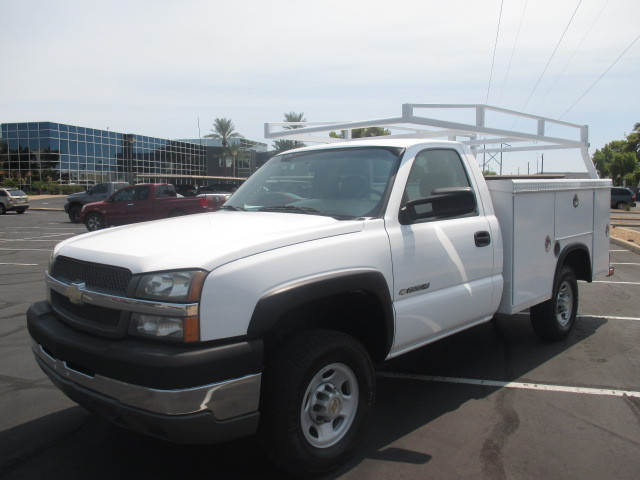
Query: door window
(432, 171)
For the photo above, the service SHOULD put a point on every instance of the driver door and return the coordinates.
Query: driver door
(442, 271)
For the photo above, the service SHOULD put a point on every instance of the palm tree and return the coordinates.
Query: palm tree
(223, 129)
(284, 145)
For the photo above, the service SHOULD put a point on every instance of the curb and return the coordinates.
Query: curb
(628, 245)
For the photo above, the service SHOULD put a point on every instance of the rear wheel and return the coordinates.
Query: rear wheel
(22, 210)
(621, 205)
(317, 397)
(2, 209)
(74, 214)
(94, 221)
(553, 320)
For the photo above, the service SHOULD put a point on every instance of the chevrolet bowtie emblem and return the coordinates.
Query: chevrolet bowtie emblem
(74, 292)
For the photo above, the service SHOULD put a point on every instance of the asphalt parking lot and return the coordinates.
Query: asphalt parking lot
(492, 402)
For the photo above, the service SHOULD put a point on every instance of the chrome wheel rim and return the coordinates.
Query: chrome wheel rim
(329, 405)
(564, 304)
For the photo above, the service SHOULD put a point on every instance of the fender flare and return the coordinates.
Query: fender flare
(587, 274)
(273, 305)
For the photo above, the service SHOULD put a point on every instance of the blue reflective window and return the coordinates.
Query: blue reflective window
(64, 146)
(73, 136)
(91, 149)
(34, 144)
(14, 144)
(44, 126)
(11, 134)
(54, 144)
(64, 128)
(73, 147)
(32, 126)
(82, 130)
(12, 127)
(82, 148)
(64, 135)
(73, 129)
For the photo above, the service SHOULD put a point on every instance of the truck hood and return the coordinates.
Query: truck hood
(205, 240)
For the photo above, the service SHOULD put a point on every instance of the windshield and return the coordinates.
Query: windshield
(343, 183)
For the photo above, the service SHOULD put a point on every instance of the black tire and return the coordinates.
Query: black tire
(2, 209)
(94, 221)
(621, 205)
(22, 210)
(554, 319)
(74, 214)
(318, 394)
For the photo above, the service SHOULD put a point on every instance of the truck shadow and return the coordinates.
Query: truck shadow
(75, 444)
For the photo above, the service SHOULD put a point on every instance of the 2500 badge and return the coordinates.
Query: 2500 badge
(417, 288)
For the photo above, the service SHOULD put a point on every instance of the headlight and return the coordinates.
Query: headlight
(185, 329)
(177, 287)
(181, 287)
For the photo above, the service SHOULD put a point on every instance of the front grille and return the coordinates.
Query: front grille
(95, 275)
(94, 316)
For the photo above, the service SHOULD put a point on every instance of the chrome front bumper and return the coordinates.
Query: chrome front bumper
(225, 400)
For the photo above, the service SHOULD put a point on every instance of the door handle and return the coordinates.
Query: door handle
(482, 239)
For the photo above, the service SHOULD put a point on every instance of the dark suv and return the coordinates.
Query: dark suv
(621, 197)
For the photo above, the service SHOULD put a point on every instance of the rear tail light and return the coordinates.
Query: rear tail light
(203, 202)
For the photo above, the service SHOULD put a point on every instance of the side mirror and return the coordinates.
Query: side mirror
(445, 203)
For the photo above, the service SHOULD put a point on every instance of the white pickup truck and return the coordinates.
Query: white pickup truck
(269, 315)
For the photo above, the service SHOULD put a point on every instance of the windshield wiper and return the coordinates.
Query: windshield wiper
(290, 208)
(231, 207)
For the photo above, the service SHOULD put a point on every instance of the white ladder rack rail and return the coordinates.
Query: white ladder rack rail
(420, 126)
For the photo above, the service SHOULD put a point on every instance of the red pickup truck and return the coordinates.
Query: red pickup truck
(142, 202)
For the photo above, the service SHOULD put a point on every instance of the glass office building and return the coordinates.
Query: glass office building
(70, 154)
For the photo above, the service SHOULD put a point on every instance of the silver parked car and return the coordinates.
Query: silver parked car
(13, 199)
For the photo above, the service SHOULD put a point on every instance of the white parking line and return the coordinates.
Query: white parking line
(619, 263)
(28, 249)
(21, 264)
(607, 317)
(623, 250)
(618, 283)
(519, 385)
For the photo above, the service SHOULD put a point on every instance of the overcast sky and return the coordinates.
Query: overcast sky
(155, 67)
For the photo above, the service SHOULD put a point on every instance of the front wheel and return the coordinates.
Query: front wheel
(22, 210)
(621, 205)
(553, 320)
(74, 214)
(318, 394)
(94, 221)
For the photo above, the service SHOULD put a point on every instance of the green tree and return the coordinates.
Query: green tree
(284, 145)
(633, 141)
(363, 132)
(224, 130)
(620, 159)
(622, 164)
